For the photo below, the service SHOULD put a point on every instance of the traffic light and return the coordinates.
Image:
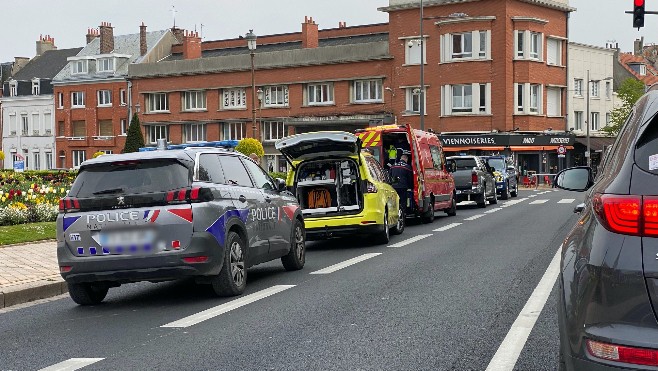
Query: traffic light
(638, 13)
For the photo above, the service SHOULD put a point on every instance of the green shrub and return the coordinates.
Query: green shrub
(248, 146)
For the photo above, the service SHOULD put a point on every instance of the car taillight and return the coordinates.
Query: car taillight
(618, 353)
(474, 178)
(195, 194)
(69, 204)
(370, 187)
(628, 214)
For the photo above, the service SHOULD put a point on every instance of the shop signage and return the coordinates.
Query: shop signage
(505, 140)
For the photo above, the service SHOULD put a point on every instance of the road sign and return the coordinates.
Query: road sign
(19, 166)
(561, 150)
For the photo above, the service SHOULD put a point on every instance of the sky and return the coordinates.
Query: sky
(595, 22)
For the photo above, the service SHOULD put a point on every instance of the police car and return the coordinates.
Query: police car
(161, 215)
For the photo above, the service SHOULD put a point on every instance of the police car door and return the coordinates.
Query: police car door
(246, 196)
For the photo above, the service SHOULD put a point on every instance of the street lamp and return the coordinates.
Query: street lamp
(588, 154)
(251, 44)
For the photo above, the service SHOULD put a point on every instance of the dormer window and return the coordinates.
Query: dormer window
(13, 88)
(106, 65)
(79, 67)
(35, 86)
(639, 68)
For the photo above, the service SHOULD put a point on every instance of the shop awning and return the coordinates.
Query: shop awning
(596, 143)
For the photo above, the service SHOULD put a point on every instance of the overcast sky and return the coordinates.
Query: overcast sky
(21, 23)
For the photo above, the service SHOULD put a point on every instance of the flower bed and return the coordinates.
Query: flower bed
(32, 196)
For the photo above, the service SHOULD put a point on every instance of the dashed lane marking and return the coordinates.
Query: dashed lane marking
(566, 200)
(346, 263)
(493, 210)
(227, 307)
(449, 226)
(531, 196)
(410, 240)
(512, 203)
(509, 350)
(72, 364)
(537, 202)
(475, 217)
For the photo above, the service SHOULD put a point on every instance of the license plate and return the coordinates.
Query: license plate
(126, 238)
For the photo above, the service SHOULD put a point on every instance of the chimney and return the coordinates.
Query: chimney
(342, 24)
(309, 33)
(107, 38)
(45, 43)
(92, 33)
(178, 33)
(19, 63)
(191, 45)
(142, 39)
(638, 45)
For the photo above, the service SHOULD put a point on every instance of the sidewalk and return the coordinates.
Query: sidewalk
(29, 272)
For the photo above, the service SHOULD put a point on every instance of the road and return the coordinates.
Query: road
(430, 300)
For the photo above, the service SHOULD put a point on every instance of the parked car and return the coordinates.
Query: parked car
(608, 281)
(474, 180)
(342, 190)
(434, 186)
(505, 175)
(156, 216)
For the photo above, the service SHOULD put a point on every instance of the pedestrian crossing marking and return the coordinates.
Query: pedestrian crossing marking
(537, 202)
(449, 226)
(566, 201)
(493, 210)
(72, 364)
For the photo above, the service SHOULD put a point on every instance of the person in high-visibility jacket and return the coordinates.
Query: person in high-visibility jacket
(392, 155)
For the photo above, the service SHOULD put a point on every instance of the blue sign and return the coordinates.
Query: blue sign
(19, 166)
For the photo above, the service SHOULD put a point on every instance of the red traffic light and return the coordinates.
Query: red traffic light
(639, 2)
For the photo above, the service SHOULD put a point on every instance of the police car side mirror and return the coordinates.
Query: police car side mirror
(280, 184)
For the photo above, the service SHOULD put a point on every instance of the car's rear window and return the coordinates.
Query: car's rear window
(465, 163)
(131, 177)
(646, 149)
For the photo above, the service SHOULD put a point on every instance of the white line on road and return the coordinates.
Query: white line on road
(537, 202)
(449, 226)
(227, 307)
(493, 210)
(512, 203)
(346, 263)
(72, 364)
(509, 350)
(478, 216)
(531, 196)
(409, 240)
(566, 201)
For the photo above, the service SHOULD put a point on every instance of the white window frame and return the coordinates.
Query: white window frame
(36, 86)
(608, 118)
(195, 132)
(122, 97)
(79, 67)
(273, 130)
(415, 44)
(535, 45)
(234, 130)
(194, 100)
(477, 52)
(104, 98)
(524, 49)
(412, 99)
(363, 91)
(60, 100)
(578, 120)
(275, 96)
(524, 102)
(643, 69)
(519, 44)
(156, 132)
(105, 64)
(558, 104)
(595, 92)
(157, 102)
(608, 90)
(13, 88)
(478, 91)
(462, 94)
(320, 94)
(49, 160)
(578, 87)
(37, 160)
(25, 125)
(77, 99)
(234, 98)
(558, 51)
(78, 156)
(595, 121)
(124, 127)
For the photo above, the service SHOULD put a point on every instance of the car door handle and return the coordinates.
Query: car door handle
(267, 199)
(242, 198)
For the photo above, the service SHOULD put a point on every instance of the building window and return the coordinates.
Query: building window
(276, 96)
(462, 45)
(13, 88)
(595, 89)
(35, 87)
(578, 87)
(534, 98)
(462, 98)
(234, 98)
(528, 45)
(554, 52)
(37, 160)
(412, 51)
(273, 130)
(608, 118)
(48, 123)
(60, 129)
(643, 69)
(366, 91)
(104, 98)
(36, 125)
(466, 99)
(608, 90)
(413, 100)
(124, 127)
(594, 124)
(49, 160)
(465, 46)
(25, 127)
(105, 128)
(319, 94)
(62, 159)
(106, 65)
(520, 44)
(156, 132)
(535, 45)
(194, 100)
(78, 67)
(528, 98)
(639, 68)
(26, 158)
(78, 99)
(78, 157)
(60, 100)
(194, 133)
(578, 120)
(234, 130)
(554, 102)
(520, 98)
(122, 97)
(107, 151)
(79, 129)
(157, 102)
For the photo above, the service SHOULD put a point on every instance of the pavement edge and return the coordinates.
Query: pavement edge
(25, 293)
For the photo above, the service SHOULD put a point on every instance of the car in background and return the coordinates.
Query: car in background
(608, 280)
(156, 216)
(342, 190)
(474, 180)
(505, 175)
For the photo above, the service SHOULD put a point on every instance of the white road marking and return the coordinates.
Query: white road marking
(537, 202)
(512, 203)
(72, 364)
(449, 226)
(409, 240)
(475, 217)
(509, 350)
(346, 263)
(531, 196)
(227, 307)
(566, 200)
(493, 210)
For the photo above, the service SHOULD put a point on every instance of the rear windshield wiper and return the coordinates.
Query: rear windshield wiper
(108, 191)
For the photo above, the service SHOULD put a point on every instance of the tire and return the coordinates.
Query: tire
(399, 227)
(87, 293)
(428, 216)
(232, 279)
(515, 192)
(494, 200)
(384, 236)
(296, 257)
(452, 211)
(482, 200)
(505, 194)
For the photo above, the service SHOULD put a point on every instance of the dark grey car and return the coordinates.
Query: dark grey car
(163, 215)
(474, 180)
(608, 283)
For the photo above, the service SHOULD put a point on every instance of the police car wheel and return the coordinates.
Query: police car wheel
(399, 226)
(384, 236)
(494, 199)
(232, 279)
(515, 192)
(297, 255)
(505, 194)
(87, 293)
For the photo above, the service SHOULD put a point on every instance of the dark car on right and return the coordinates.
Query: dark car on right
(608, 281)
(504, 174)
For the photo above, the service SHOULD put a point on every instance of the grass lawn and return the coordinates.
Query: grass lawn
(22, 233)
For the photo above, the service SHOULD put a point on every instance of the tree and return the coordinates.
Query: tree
(134, 138)
(248, 146)
(629, 92)
(2, 156)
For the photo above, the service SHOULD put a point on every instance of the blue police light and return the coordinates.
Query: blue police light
(228, 144)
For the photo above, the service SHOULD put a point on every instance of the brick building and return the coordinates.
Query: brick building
(92, 98)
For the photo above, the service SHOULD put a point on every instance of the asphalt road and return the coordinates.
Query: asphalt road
(444, 301)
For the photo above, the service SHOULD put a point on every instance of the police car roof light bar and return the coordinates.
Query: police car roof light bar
(225, 144)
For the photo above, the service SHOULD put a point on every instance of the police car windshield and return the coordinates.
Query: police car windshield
(496, 163)
(131, 178)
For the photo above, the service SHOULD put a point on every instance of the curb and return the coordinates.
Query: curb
(30, 292)
(29, 243)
